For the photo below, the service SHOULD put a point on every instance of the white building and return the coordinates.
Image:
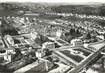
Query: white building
(59, 33)
(7, 55)
(33, 35)
(38, 54)
(48, 45)
(101, 37)
(85, 45)
(77, 42)
(0, 23)
(9, 39)
(8, 58)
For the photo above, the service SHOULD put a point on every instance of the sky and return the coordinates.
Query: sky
(56, 1)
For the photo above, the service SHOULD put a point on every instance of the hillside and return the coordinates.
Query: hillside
(93, 9)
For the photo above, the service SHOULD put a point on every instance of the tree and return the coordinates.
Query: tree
(6, 28)
(88, 36)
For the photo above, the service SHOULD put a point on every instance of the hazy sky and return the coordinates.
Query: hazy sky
(55, 1)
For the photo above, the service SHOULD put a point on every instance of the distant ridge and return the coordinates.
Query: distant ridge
(94, 8)
(56, 4)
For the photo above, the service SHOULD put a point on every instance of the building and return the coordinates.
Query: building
(100, 37)
(58, 33)
(33, 35)
(48, 45)
(9, 39)
(77, 42)
(0, 23)
(7, 54)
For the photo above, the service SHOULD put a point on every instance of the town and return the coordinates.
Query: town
(49, 42)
